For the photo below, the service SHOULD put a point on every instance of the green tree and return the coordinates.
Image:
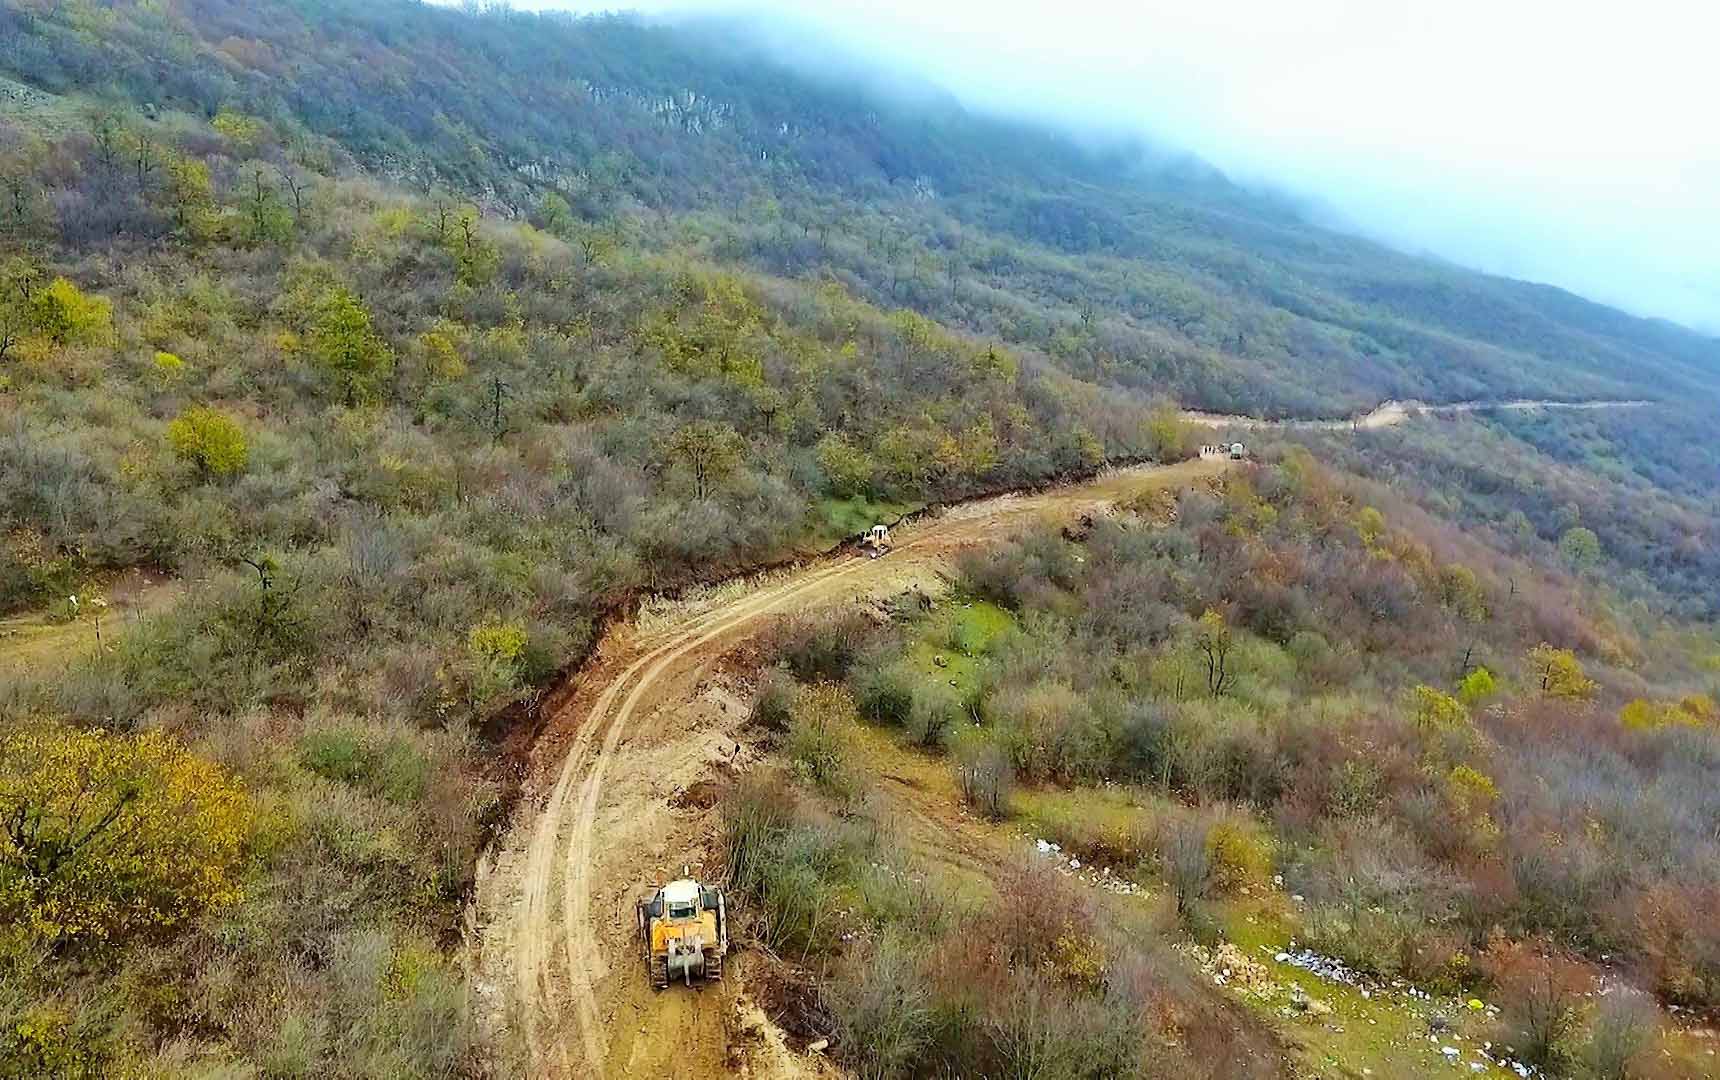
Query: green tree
(267, 220)
(1461, 591)
(191, 195)
(245, 132)
(555, 213)
(848, 468)
(1370, 526)
(18, 281)
(1476, 687)
(708, 450)
(1559, 673)
(209, 440)
(1580, 547)
(346, 347)
(1168, 437)
(475, 258)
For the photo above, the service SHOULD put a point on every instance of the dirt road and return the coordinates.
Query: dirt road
(612, 805)
(1393, 413)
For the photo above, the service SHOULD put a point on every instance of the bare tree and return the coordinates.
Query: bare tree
(299, 188)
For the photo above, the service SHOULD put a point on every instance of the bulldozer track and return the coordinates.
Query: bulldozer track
(539, 932)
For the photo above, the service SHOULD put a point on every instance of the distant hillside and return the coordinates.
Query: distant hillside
(1123, 267)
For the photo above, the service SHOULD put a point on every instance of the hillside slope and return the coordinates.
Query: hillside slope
(1126, 265)
(404, 349)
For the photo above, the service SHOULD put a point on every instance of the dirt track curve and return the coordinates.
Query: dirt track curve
(1393, 413)
(606, 809)
(609, 803)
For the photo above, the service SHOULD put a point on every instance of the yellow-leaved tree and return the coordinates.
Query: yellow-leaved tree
(1559, 673)
(66, 315)
(209, 440)
(104, 836)
(1435, 710)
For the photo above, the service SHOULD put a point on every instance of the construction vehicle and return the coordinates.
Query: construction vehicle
(685, 929)
(876, 542)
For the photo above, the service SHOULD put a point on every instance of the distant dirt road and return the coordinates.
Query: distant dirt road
(1393, 413)
(607, 810)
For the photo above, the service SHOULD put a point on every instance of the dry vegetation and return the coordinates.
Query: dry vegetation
(409, 378)
(1472, 777)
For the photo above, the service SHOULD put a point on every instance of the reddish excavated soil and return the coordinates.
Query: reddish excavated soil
(617, 799)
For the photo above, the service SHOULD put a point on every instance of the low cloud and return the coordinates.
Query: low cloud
(1568, 143)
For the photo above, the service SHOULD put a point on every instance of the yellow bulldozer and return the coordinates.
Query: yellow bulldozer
(685, 929)
(877, 541)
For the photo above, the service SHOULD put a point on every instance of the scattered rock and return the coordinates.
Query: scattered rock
(818, 1046)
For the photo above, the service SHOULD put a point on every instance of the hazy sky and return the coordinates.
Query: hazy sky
(1563, 141)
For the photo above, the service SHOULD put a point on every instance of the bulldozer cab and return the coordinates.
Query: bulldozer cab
(685, 932)
(681, 898)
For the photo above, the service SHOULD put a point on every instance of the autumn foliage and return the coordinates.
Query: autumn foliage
(107, 836)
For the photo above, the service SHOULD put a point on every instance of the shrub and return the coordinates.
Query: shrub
(824, 646)
(210, 441)
(937, 711)
(113, 835)
(1187, 859)
(886, 694)
(1680, 941)
(1476, 687)
(883, 1009)
(346, 347)
(1471, 789)
(984, 772)
(792, 864)
(67, 316)
(847, 468)
(774, 706)
(1540, 995)
(1435, 711)
(494, 649)
(1239, 852)
(1619, 1036)
(391, 768)
(167, 366)
(815, 741)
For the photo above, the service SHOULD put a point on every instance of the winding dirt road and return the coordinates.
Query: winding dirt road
(607, 810)
(609, 803)
(1393, 413)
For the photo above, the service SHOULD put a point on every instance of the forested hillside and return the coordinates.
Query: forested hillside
(1130, 266)
(394, 348)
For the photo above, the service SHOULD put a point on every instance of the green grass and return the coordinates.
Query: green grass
(1113, 826)
(1381, 1033)
(961, 633)
(34, 110)
(843, 519)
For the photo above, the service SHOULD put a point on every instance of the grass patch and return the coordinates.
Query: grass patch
(960, 635)
(836, 520)
(1384, 1032)
(389, 767)
(1112, 826)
